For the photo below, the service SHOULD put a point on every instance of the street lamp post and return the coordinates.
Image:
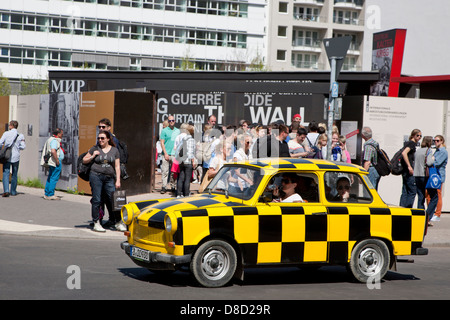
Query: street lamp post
(336, 49)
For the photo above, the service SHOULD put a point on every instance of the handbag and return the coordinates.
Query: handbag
(206, 180)
(434, 180)
(5, 153)
(427, 169)
(119, 199)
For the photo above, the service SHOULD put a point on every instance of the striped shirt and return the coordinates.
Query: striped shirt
(369, 152)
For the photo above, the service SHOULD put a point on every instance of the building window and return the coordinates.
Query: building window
(281, 55)
(283, 7)
(306, 13)
(282, 31)
(304, 60)
(346, 17)
(305, 38)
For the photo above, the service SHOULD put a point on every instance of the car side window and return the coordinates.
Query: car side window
(346, 187)
(306, 187)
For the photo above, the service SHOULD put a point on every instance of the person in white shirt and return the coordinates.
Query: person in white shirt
(240, 181)
(289, 184)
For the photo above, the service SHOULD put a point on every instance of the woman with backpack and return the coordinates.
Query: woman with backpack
(409, 183)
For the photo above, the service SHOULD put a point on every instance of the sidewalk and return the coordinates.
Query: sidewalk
(29, 214)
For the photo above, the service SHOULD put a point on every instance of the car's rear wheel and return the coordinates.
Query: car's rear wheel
(370, 260)
(214, 263)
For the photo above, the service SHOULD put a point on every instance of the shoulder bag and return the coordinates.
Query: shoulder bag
(5, 153)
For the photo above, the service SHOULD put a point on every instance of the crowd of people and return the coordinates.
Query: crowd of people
(183, 157)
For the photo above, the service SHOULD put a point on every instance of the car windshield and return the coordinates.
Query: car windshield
(236, 181)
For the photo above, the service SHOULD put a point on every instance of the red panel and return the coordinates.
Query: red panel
(397, 59)
(421, 79)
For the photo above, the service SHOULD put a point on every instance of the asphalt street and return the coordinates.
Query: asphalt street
(40, 271)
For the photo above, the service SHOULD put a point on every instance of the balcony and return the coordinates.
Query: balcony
(305, 44)
(353, 4)
(311, 2)
(310, 17)
(311, 65)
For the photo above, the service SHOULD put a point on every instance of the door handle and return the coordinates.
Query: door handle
(319, 213)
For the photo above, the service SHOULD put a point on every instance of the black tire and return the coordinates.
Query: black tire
(369, 260)
(214, 263)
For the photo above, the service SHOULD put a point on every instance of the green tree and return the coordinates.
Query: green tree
(5, 87)
(257, 64)
(33, 86)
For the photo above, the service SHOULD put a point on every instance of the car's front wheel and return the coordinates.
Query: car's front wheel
(214, 263)
(370, 260)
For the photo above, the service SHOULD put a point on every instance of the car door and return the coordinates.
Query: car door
(294, 232)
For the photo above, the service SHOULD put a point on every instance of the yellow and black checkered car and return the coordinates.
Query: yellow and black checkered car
(246, 218)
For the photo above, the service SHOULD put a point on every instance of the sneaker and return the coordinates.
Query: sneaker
(163, 190)
(109, 225)
(120, 226)
(98, 227)
(435, 218)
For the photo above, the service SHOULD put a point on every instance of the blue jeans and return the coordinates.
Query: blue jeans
(6, 170)
(374, 177)
(53, 176)
(184, 180)
(102, 187)
(433, 202)
(421, 182)
(408, 190)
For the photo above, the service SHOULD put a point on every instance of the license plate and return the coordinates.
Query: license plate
(140, 254)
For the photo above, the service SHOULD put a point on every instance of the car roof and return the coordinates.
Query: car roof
(299, 164)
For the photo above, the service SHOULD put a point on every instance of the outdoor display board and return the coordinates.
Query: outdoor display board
(392, 120)
(387, 58)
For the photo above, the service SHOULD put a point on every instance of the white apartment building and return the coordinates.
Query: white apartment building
(38, 35)
(296, 29)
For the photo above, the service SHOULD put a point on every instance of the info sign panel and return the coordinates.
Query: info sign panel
(387, 58)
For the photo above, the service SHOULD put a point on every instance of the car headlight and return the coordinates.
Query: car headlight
(170, 222)
(127, 213)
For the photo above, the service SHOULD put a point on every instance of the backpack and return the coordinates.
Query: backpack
(123, 151)
(383, 166)
(207, 151)
(179, 152)
(83, 169)
(46, 154)
(397, 163)
(314, 150)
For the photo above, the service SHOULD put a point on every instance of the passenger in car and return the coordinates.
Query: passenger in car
(288, 192)
(343, 188)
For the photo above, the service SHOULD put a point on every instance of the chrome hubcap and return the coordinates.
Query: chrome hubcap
(215, 263)
(370, 261)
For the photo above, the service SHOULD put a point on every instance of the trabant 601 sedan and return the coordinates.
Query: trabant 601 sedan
(275, 212)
